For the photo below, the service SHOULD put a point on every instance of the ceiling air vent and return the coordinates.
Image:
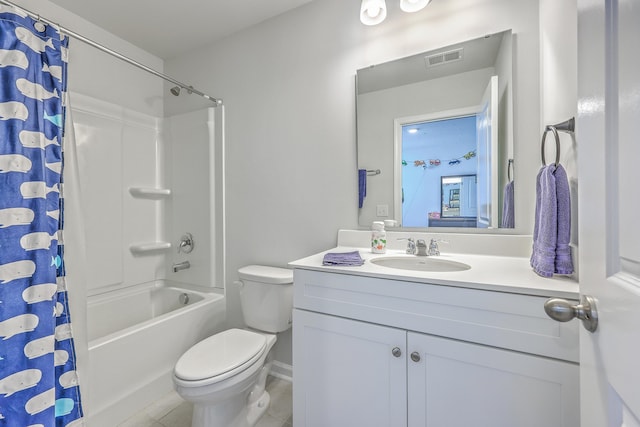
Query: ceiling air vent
(443, 57)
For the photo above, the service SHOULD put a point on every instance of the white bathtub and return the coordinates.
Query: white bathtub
(136, 336)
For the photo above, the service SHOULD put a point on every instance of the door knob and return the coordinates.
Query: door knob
(562, 310)
(396, 352)
(415, 356)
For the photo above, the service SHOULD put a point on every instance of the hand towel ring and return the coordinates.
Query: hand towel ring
(509, 170)
(544, 136)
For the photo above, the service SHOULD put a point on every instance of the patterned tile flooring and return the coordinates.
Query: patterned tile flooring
(172, 411)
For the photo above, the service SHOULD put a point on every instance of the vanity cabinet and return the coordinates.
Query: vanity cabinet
(346, 373)
(378, 352)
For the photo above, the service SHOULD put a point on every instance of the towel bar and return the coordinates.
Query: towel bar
(373, 172)
(510, 170)
(566, 126)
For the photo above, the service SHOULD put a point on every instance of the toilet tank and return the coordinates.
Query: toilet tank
(266, 297)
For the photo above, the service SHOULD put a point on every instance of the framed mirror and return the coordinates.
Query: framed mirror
(439, 114)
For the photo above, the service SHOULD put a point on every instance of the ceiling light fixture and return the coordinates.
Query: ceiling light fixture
(373, 12)
(413, 5)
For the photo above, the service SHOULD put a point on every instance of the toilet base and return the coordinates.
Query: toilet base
(258, 408)
(231, 413)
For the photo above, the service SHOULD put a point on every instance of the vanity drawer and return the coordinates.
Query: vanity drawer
(506, 320)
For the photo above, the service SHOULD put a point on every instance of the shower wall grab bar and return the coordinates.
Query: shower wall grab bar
(111, 52)
(566, 126)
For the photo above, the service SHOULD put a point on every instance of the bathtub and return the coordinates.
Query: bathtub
(136, 335)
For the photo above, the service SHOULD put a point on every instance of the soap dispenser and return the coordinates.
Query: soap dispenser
(378, 238)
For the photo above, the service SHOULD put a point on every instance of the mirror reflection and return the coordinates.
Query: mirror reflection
(442, 116)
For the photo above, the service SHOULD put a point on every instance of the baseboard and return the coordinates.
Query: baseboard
(282, 371)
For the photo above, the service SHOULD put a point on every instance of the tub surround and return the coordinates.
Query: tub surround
(411, 348)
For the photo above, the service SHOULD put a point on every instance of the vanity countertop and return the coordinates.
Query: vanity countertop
(492, 273)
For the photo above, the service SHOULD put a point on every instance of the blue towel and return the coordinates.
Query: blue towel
(343, 259)
(552, 229)
(508, 214)
(362, 186)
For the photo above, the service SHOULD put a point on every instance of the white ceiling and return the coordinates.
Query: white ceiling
(167, 28)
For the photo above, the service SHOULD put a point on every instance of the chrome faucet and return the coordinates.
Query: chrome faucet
(434, 250)
(411, 246)
(422, 247)
(186, 243)
(181, 266)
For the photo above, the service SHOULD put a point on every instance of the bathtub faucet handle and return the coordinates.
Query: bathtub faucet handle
(186, 243)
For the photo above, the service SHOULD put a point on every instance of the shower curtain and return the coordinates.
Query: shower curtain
(38, 380)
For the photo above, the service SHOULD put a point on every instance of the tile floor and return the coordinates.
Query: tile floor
(172, 411)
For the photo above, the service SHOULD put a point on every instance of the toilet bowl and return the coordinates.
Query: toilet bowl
(224, 375)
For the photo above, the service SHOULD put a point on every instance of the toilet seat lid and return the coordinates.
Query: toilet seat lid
(219, 354)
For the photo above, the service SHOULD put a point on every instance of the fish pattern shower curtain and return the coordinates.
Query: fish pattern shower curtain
(38, 381)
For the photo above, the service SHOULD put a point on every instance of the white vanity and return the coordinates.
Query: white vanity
(381, 346)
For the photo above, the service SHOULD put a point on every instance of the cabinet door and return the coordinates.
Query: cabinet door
(346, 373)
(457, 384)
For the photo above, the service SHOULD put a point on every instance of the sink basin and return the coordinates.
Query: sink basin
(421, 264)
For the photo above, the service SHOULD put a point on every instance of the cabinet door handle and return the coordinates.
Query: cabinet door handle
(396, 351)
(415, 356)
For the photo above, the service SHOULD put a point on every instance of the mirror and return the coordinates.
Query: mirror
(441, 115)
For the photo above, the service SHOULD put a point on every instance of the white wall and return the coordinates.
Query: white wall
(193, 174)
(288, 85)
(559, 83)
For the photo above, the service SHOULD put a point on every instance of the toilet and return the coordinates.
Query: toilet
(224, 375)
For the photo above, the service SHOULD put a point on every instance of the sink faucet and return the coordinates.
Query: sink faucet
(411, 246)
(433, 248)
(422, 247)
(181, 266)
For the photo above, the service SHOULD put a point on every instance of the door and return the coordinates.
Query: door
(456, 383)
(608, 140)
(487, 155)
(347, 373)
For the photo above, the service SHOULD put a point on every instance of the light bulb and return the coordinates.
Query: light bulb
(373, 12)
(413, 5)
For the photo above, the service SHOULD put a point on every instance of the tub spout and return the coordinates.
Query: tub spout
(181, 266)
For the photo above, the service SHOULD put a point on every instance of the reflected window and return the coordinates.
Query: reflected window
(439, 168)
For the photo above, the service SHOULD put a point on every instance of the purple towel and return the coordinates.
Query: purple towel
(362, 186)
(552, 229)
(545, 231)
(343, 259)
(508, 214)
(563, 261)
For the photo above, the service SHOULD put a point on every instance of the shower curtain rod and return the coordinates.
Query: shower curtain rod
(118, 55)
